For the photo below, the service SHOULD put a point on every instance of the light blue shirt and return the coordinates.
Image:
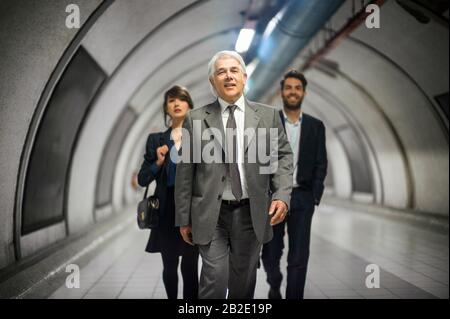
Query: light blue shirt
(293, 132)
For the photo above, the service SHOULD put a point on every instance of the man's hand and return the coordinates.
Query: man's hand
(161, 154)
(186, 233)
(278, 210)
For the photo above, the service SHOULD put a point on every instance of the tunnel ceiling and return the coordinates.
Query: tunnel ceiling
(143, 57)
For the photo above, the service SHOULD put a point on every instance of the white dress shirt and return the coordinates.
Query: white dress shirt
(293, 132)
(239, 117)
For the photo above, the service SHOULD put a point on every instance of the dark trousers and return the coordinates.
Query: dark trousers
(299, 233)
(230, 260)
(189, 271)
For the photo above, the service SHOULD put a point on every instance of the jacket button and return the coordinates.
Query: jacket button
(219, 197)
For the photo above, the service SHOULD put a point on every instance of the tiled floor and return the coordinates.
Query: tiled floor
(413, 262)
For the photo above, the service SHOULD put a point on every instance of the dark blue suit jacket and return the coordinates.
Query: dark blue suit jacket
(147, 174)
(149, 170)
(312, 160)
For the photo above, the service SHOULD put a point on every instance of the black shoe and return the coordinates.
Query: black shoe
(274, 294)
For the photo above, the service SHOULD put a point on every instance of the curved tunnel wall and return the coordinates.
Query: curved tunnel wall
(49, 162)
(35, 50)
(387, 85)
(157, 46)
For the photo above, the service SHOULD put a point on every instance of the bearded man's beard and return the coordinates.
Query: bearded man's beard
(292, 107)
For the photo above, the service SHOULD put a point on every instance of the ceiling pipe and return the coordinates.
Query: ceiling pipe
(285, 36)
(351, 25)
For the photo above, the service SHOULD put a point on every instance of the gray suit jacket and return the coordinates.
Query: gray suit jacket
(199, 185)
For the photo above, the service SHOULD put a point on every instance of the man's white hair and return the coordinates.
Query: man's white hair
(220, 55)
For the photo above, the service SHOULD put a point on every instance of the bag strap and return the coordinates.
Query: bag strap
(161, 142)
(146, 191)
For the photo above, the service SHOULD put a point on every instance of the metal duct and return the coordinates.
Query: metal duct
(286, 34)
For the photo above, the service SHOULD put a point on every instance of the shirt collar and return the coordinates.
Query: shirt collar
(240, 103)
(286, 119)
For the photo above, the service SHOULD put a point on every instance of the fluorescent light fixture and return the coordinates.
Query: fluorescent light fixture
(244, 40)
(251, 67)
(272, 24)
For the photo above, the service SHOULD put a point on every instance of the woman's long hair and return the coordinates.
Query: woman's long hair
(179, 92)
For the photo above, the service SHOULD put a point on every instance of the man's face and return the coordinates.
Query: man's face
(292, 93)
(228, 79)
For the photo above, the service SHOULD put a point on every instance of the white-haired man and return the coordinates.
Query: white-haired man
(228, 207)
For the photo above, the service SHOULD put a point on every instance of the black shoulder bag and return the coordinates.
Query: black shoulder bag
(148, 212)
(148, 208)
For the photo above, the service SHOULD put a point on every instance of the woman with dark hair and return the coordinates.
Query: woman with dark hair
(160, 166)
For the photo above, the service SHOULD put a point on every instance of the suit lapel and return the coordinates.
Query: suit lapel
(213, 119)
(166, 141)
(305, 130)
(251, 121)
(282, 119)
(166, 136)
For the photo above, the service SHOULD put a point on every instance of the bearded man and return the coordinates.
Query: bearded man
(306, 136)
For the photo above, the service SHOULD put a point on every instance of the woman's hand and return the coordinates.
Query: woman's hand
(161, 154)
